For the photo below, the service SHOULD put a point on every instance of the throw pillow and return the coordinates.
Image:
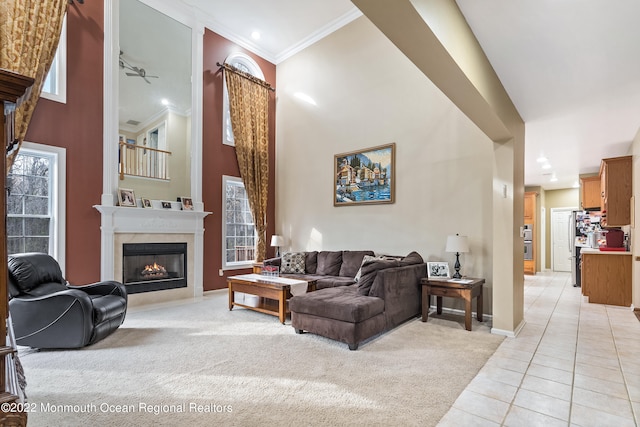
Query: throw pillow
(365, 260)
(292, 263)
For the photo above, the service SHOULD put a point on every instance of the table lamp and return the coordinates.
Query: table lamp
(277, 241)
(458, 244)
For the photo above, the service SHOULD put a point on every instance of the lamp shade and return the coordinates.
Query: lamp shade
(457, 244)
(277, 241)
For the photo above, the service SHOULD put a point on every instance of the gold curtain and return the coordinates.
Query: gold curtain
(249, 108)
(29, 36)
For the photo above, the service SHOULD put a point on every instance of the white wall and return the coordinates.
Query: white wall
(367, 94)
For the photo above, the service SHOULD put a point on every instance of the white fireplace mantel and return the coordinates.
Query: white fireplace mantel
(120, 220)
(117, 219)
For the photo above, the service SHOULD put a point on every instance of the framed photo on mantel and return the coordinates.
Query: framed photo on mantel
(365, 176)
(126, 197)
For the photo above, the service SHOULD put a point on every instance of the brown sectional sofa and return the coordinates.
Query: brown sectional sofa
(328, 268)
(348, 309)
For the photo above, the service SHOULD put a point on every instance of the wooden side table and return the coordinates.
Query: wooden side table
(447, 288)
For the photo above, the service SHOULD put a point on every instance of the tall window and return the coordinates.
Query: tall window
(248, 65)
(35, 206)
(238, 227)
(55, 84)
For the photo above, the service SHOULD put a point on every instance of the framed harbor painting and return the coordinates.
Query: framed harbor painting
(365, 176)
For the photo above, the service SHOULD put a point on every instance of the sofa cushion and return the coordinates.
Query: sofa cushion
(329, 263)
(311, 262)
(333, 281)
(293, 262)
(341, 303)
(369, 272)
(351, 262)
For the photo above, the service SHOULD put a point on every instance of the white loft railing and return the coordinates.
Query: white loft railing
(145, 162)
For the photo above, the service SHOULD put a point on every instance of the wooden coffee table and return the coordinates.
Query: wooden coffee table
(268, 289)
(472, 288)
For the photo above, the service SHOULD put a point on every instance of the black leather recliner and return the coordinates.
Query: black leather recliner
(48, 313)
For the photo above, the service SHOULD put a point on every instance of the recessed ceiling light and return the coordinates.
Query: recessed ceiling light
(546, 166)
(553, 179)
(255, 35)
(542, 159)
(576, 184)
(165, 101)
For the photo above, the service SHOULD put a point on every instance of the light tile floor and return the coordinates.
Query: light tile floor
(573, 364)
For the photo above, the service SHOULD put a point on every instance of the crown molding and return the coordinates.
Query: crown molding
(323, 32)
(273, 57)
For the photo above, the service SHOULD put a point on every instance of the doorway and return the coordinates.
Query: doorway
(560, 239)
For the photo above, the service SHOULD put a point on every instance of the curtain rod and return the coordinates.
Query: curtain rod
(245, 75)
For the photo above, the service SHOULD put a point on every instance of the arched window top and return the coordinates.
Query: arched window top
(245, 63)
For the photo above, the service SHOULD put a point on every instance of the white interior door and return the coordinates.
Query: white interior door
(560, 236)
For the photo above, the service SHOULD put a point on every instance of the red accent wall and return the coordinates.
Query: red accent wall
(219, 159)
(77, 126)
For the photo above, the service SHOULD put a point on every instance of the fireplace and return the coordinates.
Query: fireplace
(148, 267)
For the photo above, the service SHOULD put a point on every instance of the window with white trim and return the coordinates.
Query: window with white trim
(238, 228)
(55, 84)
(248, 65)
(35, 205)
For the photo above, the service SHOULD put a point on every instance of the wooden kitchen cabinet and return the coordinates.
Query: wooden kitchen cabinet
(529, 266)
(615, 187)
(606, 278)
(529, 207)
(590, 192)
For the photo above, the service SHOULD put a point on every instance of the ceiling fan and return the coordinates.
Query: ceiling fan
(136, 71)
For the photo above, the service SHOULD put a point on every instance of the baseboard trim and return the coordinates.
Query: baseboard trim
(510, 334)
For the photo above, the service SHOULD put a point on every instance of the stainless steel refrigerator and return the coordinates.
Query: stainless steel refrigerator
(583, 223)
(574, 248)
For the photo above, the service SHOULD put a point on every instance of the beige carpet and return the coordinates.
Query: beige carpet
(170, 365)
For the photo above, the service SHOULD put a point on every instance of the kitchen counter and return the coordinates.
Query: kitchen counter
(598, 251)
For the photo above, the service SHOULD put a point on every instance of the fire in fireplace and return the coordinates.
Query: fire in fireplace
(150, 267)
(154, 271)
